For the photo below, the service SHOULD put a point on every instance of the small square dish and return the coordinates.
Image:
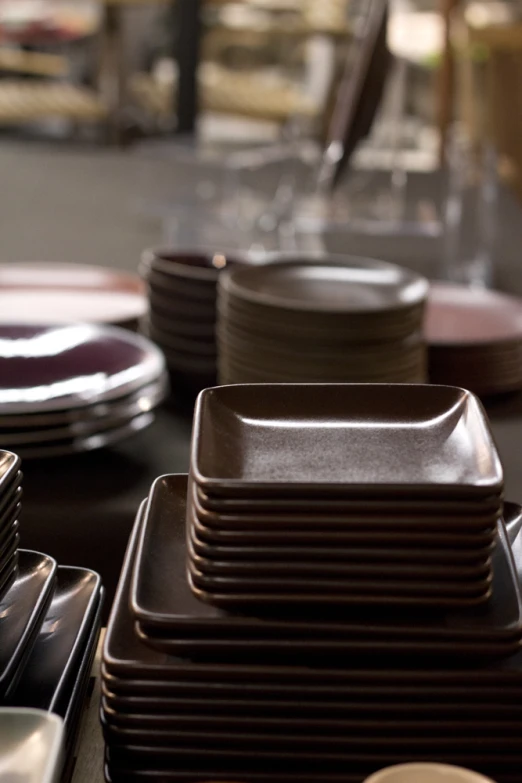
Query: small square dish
(283, 440)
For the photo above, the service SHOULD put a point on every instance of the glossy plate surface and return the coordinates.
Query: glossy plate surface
(60, 644)
(48, 369)
(22, 609)
(30, 746)
(48, 293)
(253, 440)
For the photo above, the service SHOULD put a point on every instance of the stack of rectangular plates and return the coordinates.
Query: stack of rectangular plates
(321, 319)
(179, 718)
(182, 310)
(10, 507)
(342, 495)
(171, 619)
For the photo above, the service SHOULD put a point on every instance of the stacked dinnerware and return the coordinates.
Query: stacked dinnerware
(10, 507)
(474, 338)
(50, 618)
(75, 388)
(307, 690)
(182, 311)
(324, 319)
(308, 464)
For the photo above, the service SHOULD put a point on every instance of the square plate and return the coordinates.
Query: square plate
(160, 596)
(478, 539)
(343, 440)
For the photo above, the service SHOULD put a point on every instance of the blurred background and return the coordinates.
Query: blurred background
(263, 125)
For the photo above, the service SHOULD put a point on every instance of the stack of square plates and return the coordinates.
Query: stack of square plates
(330, 319)
(170, 618)
(184, 718)
(10, 507)
(75, 388)
(342, 495)
(474, 338)
(182, 314)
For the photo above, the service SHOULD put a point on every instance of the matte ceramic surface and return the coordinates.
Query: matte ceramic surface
(202, 348)
(243, 594)
(317, 727)
(353, 285)
(474, 540)
(143, 399)
(46, 369)
(127, 704)
(30, 746)
(329, 522)
(166, 603)
(187, 264)
(455, 508)
(22, 610)
(124, 655)
(59, 646)
(427, 773)
(278, 435)
(181, 327)
(457, 315)
(88, 443)
(48, 293)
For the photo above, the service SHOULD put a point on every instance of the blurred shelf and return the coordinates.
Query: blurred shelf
(221, 91)
(25, 101)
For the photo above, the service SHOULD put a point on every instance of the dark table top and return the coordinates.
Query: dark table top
(80, 509)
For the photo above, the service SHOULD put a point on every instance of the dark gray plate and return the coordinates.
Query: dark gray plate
(22, 610)
(60, 644)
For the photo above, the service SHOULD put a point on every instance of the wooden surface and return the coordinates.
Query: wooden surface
(89, 760)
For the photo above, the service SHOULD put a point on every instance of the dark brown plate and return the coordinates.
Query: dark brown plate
(377, 726)
(455, 508)
(332, 285)
(187, 264)
(21, 611)
(278, 435)
(168, 604)
(50, 293)
(10, 475)
(470, 738)
(241, 594)
(127, 704)
(477, 557)
(391, 693)
(333, 522)
(469, 541)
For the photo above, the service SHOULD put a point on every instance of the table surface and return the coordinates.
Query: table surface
(90, 747)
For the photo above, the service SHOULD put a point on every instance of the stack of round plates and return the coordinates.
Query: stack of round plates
(182, 315)
(321, 320)
(54, 293)
(474, 339)
(75, 388)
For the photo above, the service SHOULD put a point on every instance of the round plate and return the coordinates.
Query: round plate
(331, 285)
(457, 315)
(51, 293)
(186, 263)
(48, 369)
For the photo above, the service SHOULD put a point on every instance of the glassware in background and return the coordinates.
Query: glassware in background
(470, 211)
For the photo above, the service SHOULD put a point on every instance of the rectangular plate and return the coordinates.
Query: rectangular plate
(161, 598)
(343, 440)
